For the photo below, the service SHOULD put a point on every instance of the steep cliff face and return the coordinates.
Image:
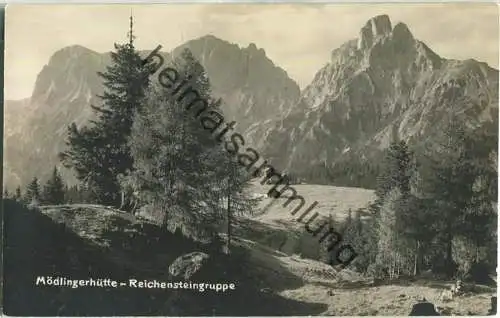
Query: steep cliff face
(253, 89)
(63, 92)
(255, 92)
(383, 85)
(15, 122)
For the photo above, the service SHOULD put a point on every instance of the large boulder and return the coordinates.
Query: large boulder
(187, 265)
(180, 302)
(424, 309)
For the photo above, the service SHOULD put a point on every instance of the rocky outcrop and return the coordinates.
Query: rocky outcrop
(373, 30)
(185, 266)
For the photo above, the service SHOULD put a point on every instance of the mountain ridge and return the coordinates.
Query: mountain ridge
(381, 85)
(68, 84)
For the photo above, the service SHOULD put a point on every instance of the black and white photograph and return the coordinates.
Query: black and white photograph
(258, 159)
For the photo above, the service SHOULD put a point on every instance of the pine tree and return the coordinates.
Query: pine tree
(396, 170)
(233, 184)
(362, 236)
(54, 190)
(480, 220)
(179, 167)
(100, 152)
(393, 210)
(33, 192)
(447, 184)
(388, 254)
(459, 180)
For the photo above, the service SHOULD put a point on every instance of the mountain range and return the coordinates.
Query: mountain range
(383, 85)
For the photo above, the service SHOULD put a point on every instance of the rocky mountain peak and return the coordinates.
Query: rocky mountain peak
(378, 31)
(255, 51)
(401, 32)
(254, 91)
(70, 70)
(374, 29)
(70, 53)
(382, 85)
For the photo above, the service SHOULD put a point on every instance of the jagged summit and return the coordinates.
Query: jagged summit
(401, 31)
(71, 52)
(208, 38)
(70, 72)
(375, 28)
(210, 41)
(382, 85)
(254, 50)
(379, 29)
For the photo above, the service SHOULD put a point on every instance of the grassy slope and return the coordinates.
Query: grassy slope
(83, 241)
(352, 294)
(108, 243)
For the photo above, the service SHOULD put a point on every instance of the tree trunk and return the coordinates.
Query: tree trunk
(449, 253)
(416, 266)
(229, 219)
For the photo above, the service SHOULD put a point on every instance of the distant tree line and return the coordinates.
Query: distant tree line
(53, 192)
(350, 171)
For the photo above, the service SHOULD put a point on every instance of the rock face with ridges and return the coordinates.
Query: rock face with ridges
(255, 92)
(63, 92)
(374, 29)
(384, 85)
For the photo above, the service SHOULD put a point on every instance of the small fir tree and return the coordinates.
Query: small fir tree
(54, 190)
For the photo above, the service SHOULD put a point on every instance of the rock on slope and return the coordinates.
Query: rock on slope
(254, 90)
(383, 85)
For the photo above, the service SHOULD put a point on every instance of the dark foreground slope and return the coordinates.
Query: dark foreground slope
(82, 242)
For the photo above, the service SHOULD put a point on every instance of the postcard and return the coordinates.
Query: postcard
(224, 159)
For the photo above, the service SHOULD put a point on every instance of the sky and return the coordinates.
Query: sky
(297, 37)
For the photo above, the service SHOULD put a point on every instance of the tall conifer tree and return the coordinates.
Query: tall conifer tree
(33, 191)
(54, 190)
(100, 152)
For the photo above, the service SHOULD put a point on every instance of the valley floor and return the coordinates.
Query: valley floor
(346, 293)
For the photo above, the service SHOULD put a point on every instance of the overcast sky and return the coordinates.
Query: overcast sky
(298, 38)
